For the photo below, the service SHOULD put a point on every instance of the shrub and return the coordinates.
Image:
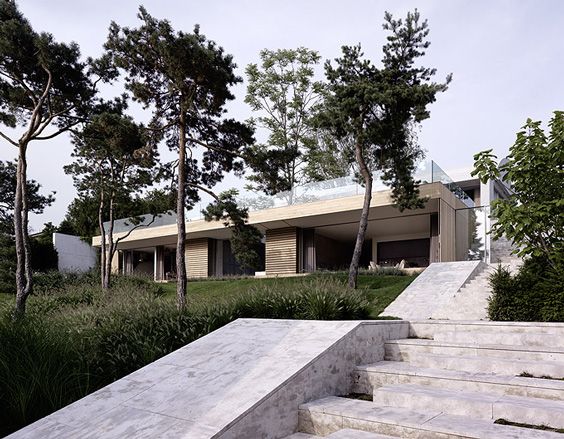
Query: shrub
(535, 293)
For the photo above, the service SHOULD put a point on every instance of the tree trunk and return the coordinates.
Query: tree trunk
(181, 279)
(365, 172)
(103, 252)
(110, 246)
(20, 221)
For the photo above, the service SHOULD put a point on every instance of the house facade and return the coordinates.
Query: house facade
(314, 227)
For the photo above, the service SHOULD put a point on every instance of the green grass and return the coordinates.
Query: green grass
(378, 290)
(6, 300)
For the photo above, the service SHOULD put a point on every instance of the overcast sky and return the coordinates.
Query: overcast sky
(506, 57)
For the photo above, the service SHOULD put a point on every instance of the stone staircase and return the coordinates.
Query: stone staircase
(470, 302)
(452, 379)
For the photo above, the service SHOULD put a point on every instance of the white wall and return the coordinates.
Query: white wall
(74, 253)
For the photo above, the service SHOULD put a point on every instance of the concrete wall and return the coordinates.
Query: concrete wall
(501, 250)
(74, 253)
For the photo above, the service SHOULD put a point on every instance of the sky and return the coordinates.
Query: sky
(506, 57)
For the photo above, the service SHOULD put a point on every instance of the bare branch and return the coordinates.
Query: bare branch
(5, 137)
(121, 238)
(214, 148)
(56, 133)
(204, 189)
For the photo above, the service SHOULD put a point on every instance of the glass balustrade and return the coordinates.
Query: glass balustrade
(471, 237)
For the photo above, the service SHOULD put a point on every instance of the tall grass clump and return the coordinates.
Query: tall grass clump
(311, 298)
(41, 370)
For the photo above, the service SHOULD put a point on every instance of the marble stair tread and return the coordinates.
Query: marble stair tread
(349, 433)
(493, 365)
(501, 347)
(405, 368)
(406, 348)
(476, 404)
(345, 433)
(343, 412)
(521, 339)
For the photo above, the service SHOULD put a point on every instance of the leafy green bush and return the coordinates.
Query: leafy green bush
(535, 293)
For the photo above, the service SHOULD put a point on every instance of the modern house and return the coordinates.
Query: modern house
(314, 227)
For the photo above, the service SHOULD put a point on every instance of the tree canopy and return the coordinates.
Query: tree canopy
(282, 91)
(45, 90)
(35, 200)
(113, 161)
(377, 108)
(185, 80)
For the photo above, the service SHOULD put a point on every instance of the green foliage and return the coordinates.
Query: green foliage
(329, 157)
(282, 91)
(45, 90)
(377, 108)
(7, 264)
(245, 239)
(44, 255)
(112, 156)
(185, 78)
(42, 369)
(81, 218)
(36, 202)
(531, 217)
(535, 293)
(38, 73)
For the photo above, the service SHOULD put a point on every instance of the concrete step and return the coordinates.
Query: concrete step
(402, 350)
(554, 369)
(345, 433)
(301, 436)
(474, 404)
(349, 433)
(429, 328)
(475, 285)
(369, 377)
(330, 414)
(536, 339)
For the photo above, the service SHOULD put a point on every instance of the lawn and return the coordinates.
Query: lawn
(378, 290)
